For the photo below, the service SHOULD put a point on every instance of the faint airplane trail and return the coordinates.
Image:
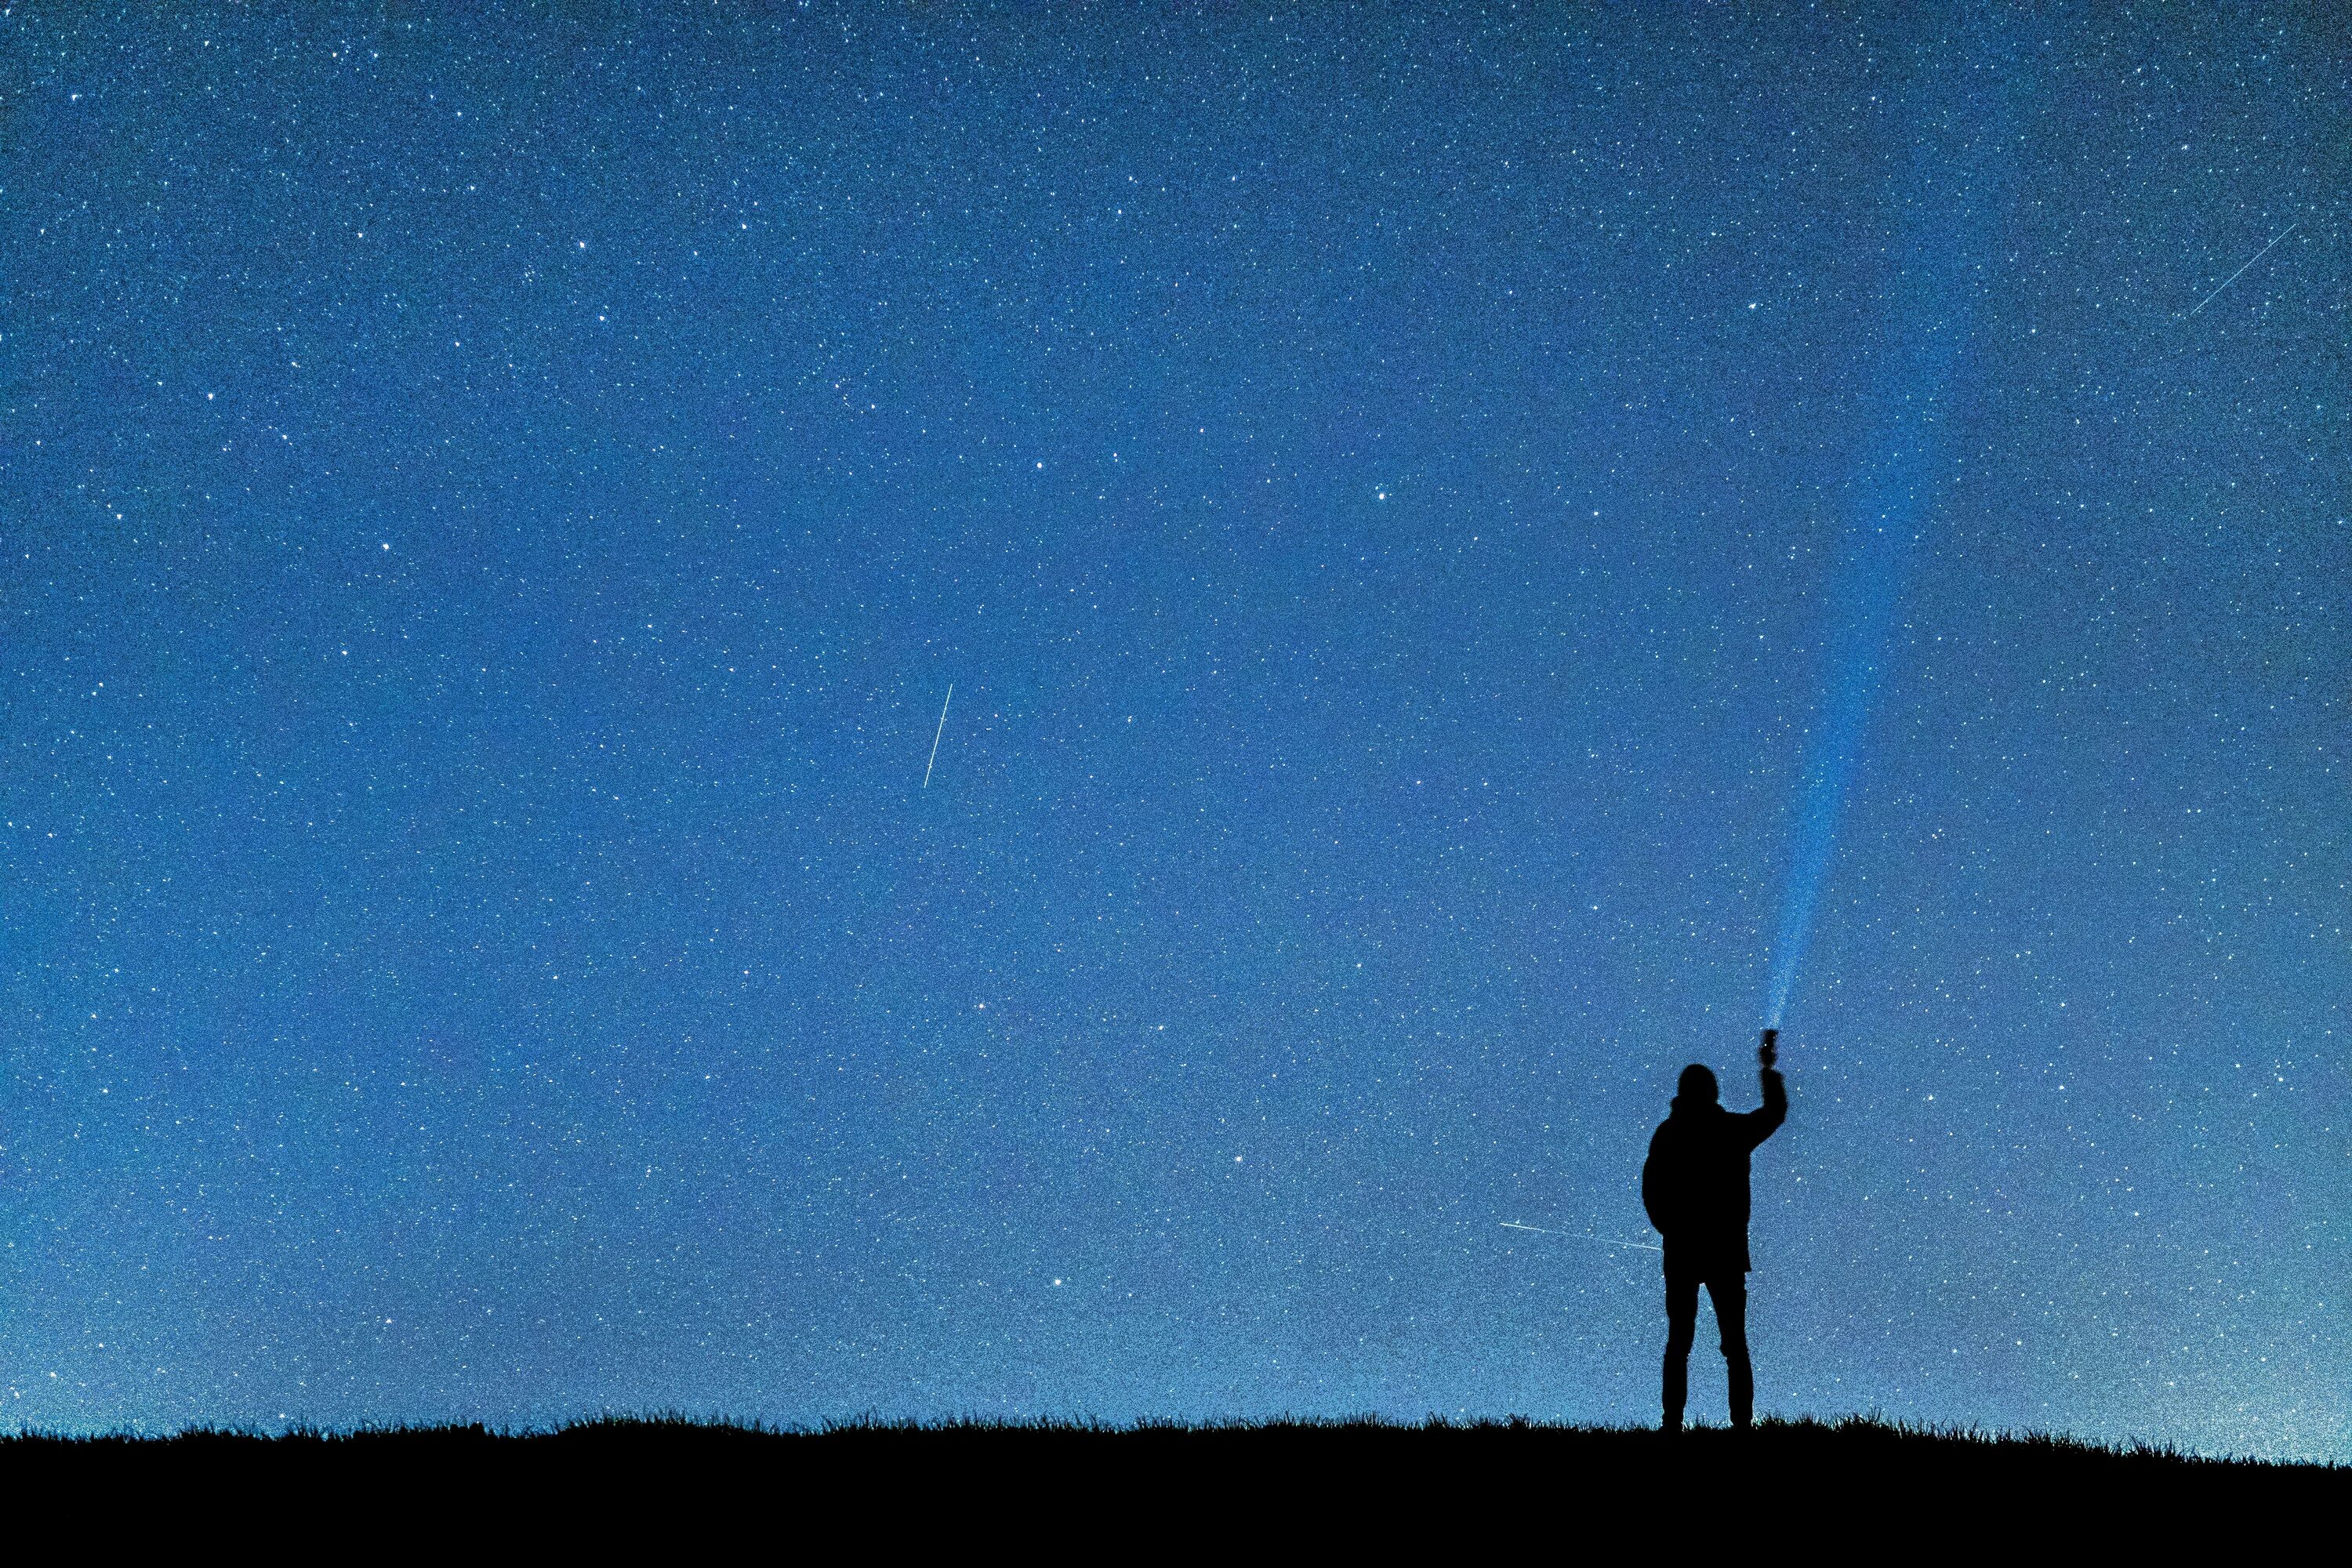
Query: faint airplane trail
(936, 734)
(2240, 272)
(1579, 1236)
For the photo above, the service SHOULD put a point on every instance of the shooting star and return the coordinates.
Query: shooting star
(2240, 272)
(936, 734)
(1579, 1236)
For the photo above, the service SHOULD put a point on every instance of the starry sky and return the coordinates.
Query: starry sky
(492, 502)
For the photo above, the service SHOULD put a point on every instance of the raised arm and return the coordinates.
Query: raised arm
(1765, 1120)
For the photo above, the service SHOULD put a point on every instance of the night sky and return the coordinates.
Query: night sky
(492, 506)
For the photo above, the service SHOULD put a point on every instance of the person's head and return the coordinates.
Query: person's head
(1697, 1086)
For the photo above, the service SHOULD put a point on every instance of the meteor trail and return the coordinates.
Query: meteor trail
(2240, 272)
(936, 734)
(1579, 1236)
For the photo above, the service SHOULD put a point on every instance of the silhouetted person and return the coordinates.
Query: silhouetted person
(1694, 1185)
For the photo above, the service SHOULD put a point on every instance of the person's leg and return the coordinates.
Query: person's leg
(1682, 1327)
(1730, 1294)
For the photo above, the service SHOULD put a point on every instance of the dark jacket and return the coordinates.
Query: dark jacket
(1695, 1182)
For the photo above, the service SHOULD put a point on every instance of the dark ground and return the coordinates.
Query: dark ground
(1231, 1489)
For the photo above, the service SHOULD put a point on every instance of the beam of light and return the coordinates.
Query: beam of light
(1579, 1236)
(1890, 503)
(1857, 659)
(2240, 272)
(1896, 484)
(936, 734)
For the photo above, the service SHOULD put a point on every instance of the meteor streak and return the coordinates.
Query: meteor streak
(1580, 1236)
(2240, 272)
(936, 734)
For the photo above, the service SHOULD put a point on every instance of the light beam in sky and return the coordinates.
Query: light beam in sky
(1890, 500)
(1929, 309)
(1856, 661)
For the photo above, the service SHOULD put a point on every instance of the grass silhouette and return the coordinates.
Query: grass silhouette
(1304, 1488)
(1859, 1444)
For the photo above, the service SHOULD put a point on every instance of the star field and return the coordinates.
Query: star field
(492, 506)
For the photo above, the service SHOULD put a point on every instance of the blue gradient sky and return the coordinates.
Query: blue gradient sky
(492, 509)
